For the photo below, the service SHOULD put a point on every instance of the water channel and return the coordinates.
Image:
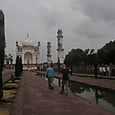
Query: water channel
(95, 95)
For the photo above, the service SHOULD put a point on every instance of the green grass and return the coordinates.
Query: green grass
(10, 81)
(83, 76)
(5, 106)
(10, 86)
(13, 79)
(108, 79)
(8, 95)
(16, 78)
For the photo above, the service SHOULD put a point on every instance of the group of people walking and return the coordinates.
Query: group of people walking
(65, 77)
(104, 70)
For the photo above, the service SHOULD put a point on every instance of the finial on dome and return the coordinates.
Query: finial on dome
(27, 34)
(60, 28)
(38, 43)
(16, 43)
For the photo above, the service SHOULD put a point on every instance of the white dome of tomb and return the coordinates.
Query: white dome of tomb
(27, 42)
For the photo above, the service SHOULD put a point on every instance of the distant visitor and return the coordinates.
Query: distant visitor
(50, 72)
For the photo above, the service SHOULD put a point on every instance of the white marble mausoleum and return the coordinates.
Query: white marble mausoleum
(29, 52)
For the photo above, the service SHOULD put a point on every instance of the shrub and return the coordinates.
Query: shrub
(12, 78)
(9, 87)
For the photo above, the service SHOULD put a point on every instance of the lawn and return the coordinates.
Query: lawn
(9, 92)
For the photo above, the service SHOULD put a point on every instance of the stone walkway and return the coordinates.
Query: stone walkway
(34, 98)
(92, 75)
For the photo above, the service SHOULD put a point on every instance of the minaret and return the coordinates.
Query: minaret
(60, 49)
(27, 34)
(49, 52)
(38, 47)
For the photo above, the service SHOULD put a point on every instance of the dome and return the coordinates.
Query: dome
(60, 28)
(27, 42)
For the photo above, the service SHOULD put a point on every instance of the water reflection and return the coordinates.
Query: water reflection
(78, 88)
(95, 95)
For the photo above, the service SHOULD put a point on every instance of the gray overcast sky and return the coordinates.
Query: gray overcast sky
(85, 23)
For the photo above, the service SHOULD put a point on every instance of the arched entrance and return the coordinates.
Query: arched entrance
(28, 58)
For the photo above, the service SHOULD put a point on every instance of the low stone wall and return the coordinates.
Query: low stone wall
(7, 71)
(6, 74)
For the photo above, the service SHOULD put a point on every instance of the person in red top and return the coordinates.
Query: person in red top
(65, 79)
(108, 70)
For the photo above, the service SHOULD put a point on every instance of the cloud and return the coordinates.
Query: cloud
(85, 23)
(94, 30)
(98, 10)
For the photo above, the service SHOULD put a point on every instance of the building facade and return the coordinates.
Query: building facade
(29, 52)
(8, 61)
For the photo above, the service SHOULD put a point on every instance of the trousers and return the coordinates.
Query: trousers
(50, 82)
(66, 84)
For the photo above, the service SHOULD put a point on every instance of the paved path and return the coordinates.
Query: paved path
(92, 75)
(34, 98)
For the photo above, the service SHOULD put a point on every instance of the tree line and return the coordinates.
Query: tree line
(80, 57)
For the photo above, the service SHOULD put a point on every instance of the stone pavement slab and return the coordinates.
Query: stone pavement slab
(34, 98)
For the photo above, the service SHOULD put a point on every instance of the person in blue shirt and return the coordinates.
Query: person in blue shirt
(50, 72)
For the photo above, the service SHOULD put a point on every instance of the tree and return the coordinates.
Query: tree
(95, 63)
(18, 66)
(107, 53)
(92, 59)
(67, 61)
(2, 46)
(74, 58)
(78, 57)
